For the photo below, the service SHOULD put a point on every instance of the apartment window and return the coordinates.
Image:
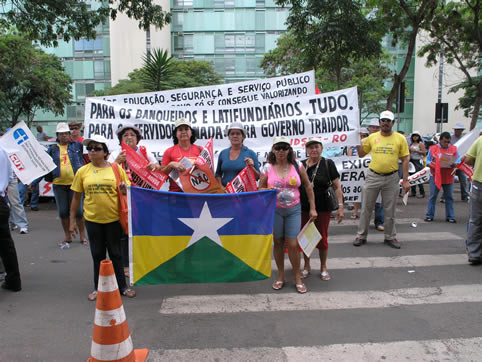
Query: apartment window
(89, 46)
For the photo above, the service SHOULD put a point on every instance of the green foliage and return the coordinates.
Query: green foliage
(456, 30)
(368, 75)
(332, 33)
(157, 66)
(30, 80)
(182, 74)
(48, 20)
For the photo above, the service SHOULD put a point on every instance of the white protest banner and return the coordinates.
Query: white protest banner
(293, 85)
(352, 170)
(420, 177)
(332, 116)
(28, 157)
(466, 141)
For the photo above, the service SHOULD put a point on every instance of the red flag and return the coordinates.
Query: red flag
(468, 170)
(140, 175)
(245, 181)
(206, 156)
(317, 90)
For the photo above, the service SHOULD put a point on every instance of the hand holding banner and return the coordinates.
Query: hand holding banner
(28, 157)
(245, 181)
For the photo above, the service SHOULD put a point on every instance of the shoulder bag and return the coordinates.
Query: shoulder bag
(330, 191)
(123, 205)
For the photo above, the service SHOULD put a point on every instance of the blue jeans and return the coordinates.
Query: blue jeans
(463, 184)
(63, 198)
(287, 222)
(448, 191)
(22, 190)
(379, 215)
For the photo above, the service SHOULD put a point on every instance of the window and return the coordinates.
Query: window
(99, 69)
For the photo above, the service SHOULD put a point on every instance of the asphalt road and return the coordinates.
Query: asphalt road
(422, 302)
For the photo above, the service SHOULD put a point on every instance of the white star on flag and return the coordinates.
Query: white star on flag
(205, 225)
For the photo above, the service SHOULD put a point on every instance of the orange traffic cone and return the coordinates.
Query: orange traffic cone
(111, 340)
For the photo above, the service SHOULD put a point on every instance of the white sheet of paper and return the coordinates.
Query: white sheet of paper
(309, 237)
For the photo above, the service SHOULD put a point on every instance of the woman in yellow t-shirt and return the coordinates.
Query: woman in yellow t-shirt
(101, 212)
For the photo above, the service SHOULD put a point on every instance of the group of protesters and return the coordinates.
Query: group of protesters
(87, 194)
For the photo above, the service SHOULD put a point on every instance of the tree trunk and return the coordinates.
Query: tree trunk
(398, 78)
(475, 111)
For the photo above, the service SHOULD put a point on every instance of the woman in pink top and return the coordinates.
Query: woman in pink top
(282, 172)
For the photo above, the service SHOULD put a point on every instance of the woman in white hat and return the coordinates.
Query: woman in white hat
(98, 182)
(67, 156)
(234, 159)
(417, 153)
(184, 138)
(285, 174)
(321, 172)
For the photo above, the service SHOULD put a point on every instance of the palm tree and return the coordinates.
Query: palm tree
(157, 66)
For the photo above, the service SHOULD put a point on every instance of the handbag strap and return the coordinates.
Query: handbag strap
(328, 171)
(314, 174)
(115, 169)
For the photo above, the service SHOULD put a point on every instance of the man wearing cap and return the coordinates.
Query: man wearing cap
(8, 254)
(386, 148)
(75, 128)
(458, 130)
(474, 234)
(379, 220)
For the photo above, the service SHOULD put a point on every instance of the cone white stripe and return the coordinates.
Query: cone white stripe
(107, 283)
(456, 349)
(406, 261)
(111, 352)
(108, 318)
(279, 301)
(377, 236)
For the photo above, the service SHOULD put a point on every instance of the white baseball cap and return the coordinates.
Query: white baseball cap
(95, 138)
(458, 126)
(281, 139)
(387, 115)
(182, 122)
(312, 140)
(62, 127)
(374, 122)
(237, 125)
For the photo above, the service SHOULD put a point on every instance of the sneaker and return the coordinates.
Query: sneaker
(475, 261)
(23, 231)
(13, 288)
(359, 241)
(2, 276)
(35, 208)
(392, 243)
(428, 219)
(442, 201)
(13, 227)
(380, 228)
(452, 221)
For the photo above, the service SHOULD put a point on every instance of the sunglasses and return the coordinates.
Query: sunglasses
(97, 149)
(385, 120)
(72, 128)
(281, 148)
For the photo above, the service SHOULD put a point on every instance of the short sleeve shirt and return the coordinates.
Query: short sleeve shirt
(176, 154)
(228, 169)
(475, 152)
(385, 151)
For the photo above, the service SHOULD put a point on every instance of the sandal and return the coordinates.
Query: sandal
(325, 276)
(129, 293)
(354, 217)
(305, 273)
(92, 296)
(126, 271)
(279, 284)
(301, 288)
(84, 242)
(62, 243)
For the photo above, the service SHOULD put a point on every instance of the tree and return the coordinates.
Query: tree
(456, 30)
(182, 74)
(403, 20)
(368, 75)
(332, 33)
(30, 80)
(157, 66)
(48, 20)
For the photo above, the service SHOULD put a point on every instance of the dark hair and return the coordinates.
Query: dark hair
(193, 135)
(104, 147)
(138, 135)
(416, 134)
(445, 135)
(272, 157)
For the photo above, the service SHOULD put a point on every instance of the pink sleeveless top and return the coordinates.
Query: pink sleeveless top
(288, 193)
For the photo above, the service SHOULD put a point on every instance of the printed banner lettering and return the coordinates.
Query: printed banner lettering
(245, 181)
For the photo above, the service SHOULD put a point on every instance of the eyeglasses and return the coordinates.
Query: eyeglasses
(281, 148)
(72, 128)
(385, 120)
(97, 149)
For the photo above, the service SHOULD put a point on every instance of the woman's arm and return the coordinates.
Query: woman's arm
(339, 196)
(263, 182)
(309, 193)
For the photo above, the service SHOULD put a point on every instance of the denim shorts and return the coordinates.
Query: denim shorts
(287, 222)
(63, 197)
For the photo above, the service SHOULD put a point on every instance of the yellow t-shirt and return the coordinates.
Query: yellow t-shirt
(475, 151)
(66, 172)
(100, 188)
(385, 151)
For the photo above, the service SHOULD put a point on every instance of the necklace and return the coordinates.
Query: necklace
(96, 172)
(180, 152)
